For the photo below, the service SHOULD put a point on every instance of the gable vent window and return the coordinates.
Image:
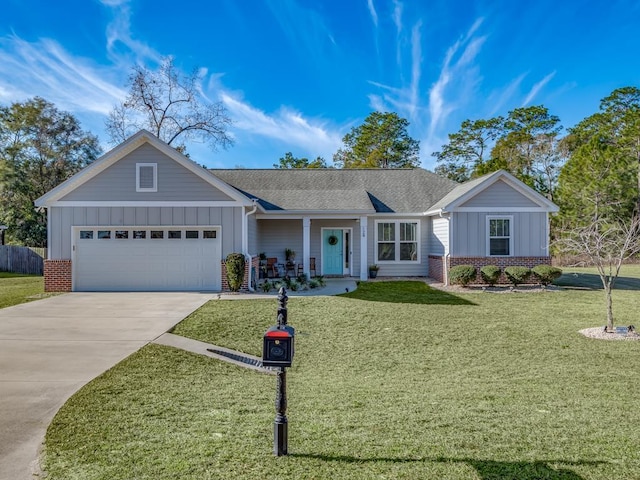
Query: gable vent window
(146, 177)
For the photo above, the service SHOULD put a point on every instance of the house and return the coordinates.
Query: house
(144, 217)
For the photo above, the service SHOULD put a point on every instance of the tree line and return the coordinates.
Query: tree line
(591, 170)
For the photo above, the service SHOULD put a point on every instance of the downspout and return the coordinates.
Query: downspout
(446, 257)
(245, 240)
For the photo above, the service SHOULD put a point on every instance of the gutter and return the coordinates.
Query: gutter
(245, 239)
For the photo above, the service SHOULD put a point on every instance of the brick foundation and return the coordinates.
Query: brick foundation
(255, 263)
(57, 276)
(436, 268)
(479, 262)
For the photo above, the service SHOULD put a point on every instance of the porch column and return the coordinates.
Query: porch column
(364, 267)
(306, 245)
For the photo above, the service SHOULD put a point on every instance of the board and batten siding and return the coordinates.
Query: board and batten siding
(401, 269)
(252, 236)
(439, 237)
(62, 219)
(470, 233)
(499, 193)
(118, 182)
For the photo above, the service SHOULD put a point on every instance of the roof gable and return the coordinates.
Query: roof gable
(499, 190)
(77, 185)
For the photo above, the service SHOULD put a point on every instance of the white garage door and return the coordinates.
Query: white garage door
(146, 259)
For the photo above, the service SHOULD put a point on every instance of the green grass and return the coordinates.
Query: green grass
(16, 288)
(480, 386)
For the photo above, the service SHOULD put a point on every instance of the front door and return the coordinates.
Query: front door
(332, 252)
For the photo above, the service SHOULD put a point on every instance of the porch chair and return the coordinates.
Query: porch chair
(312, 267)
(272, 267)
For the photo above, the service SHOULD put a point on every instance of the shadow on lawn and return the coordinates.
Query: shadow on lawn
(404, 292)
(487, 469)
(592, 281)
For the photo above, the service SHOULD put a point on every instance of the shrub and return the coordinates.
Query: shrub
(517, 275)
(462, 275)
(235, 271)
(313, 283)
(321, 281)
(302, 279)
(490, 274)
(546, 273)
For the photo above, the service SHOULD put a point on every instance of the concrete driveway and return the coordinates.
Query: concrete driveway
(51, 347)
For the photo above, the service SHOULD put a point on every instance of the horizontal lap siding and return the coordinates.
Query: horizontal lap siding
(118, 182)
(439, 237)
(62, 219)
(276, 235)
(420, 269)
(500, 193)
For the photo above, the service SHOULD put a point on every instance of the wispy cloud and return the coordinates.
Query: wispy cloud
(372, 12)
(498, 99)
(397, 21)
(46, 69)
(455, 65)
(286, 125)
(536, 88)
(305, 29)
(119, 35)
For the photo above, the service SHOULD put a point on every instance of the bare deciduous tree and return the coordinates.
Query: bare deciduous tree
(172, 107)
(607, 244)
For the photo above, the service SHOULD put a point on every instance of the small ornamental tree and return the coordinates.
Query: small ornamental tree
(517, 275)
(546, 273)
(235, 271)
(490, 274)
(462, 275)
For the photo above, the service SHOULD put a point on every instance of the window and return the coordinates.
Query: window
(86, 234)
(146, 177)
(500, 237)
(155, 234)
(139, 234)
(122, 234)
(397, 241)
(191, 234)
(174, 234)
(209, 234)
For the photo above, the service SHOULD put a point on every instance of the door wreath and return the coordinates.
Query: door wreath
(333, 240)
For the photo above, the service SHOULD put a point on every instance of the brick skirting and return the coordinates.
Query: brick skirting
(437, 264)
(255, 263)
(57, 276)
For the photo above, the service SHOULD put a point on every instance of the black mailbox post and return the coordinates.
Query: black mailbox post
(277, 351)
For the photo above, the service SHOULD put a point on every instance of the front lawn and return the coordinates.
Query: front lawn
(473, 386)
(17, 288)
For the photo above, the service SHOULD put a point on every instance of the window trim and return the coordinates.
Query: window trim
(155, 177)
(398, 242)
(511, 234)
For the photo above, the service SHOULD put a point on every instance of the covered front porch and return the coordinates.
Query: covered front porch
(336, 246)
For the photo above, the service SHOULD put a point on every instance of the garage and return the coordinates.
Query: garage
(146, 258)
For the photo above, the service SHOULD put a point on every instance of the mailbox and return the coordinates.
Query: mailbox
(277, 347)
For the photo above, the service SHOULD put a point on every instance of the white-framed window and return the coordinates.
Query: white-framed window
(397, 241)
(146, 177)
(499, 236)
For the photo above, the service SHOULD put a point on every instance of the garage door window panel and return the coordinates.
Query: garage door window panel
(86, 234)
(104, 234)
(175, 234)
(191, 234)
(157, 234)
(122, 234)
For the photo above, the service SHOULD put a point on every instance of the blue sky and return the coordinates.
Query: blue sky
(296, 75)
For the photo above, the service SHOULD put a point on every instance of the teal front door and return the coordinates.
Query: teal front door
(332, 252)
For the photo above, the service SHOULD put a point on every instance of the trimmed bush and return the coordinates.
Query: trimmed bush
(490, 274)
(462, 275)
(235, 271)
(546, 273)
(517, 275)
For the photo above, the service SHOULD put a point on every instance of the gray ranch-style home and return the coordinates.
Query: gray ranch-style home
(144, 217)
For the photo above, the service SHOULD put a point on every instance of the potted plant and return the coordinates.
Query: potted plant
(373, 271)
(263, 264)
(290, 255)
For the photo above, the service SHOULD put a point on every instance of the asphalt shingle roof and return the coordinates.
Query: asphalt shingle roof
(363, 190)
